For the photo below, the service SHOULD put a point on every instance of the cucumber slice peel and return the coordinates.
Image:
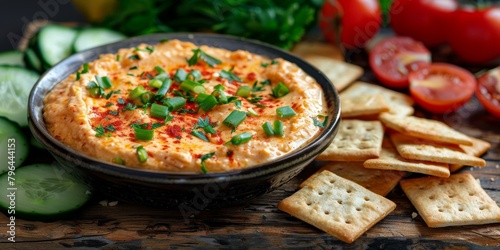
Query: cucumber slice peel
(15, 87)
(13, 139)
(44, 192)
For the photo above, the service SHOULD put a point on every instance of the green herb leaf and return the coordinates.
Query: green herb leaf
(230, 75)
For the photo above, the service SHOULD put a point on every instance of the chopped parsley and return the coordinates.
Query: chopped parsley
(133, 67)
(113, 112)
(102, 131)
(205, 125)
(134, 57)
(112, 92)
(121, 101)
(130, 107)
(230, 76)
(317, 123)
(199, 54)
(203, 158)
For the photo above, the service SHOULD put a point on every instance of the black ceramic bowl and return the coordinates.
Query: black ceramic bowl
(173, 190)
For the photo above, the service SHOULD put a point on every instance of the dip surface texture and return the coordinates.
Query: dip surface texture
(102, 120)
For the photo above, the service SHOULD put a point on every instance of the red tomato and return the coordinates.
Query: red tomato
(441, 87)
(422, 20)
(475, 34)
(488, 91)
(353, 21)
(392, 59)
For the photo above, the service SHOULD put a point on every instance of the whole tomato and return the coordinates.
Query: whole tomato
(350, 22)
(422, 20)
(475, 34)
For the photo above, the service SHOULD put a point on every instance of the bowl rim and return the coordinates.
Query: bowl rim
(40, 132)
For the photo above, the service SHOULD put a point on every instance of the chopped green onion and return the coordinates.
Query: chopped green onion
(143, 134)
(244, 91)
(235, 118)
(200, 135)
(180, 75)
(208, 103)
(119, 160)
(142, 154)
(96, 92)
(189, 85)
(285, 112)
(201, 97)
(85, 68)
(118, 57)
(159, 70)
(165, 86)
(147, 97)
(252, 112)
(278, 128)
(104, 81)
(241, 138)
(194, 75)
(155, 83)
(280, 90)
(175, 103)
(135, 94)
(159, 111)
(268, 128)
(92, 85)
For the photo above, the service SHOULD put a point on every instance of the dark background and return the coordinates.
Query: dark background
(16, 14)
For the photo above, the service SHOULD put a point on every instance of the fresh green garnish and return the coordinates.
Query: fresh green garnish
(143, 134)
(280, 90)
(235, 118)
(278, 128)
(317, 123)
(244, 91)
(142, 154)
(230, 75)
(205, 125)
(200, 135)
(102, 131)
(285, 112)
(240, 138)
(199, 54)
(203, 158)
(268, 128)
(159, 111)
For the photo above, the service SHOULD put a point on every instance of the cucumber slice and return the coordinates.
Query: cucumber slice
(13, 57)
(32, 61)
(15, 87)
(44, 192)
(93, 37)
(55, 43)
(13, 142)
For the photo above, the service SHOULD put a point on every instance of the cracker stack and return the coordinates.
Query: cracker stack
(377, 143)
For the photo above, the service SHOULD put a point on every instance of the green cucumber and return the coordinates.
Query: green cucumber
(92, 37)
(14, 147)
(32, 60)
(15, 86)
(42, 192)
(12, 57)
(55, 43)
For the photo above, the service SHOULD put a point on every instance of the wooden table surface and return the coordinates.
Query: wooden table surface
(259, 224)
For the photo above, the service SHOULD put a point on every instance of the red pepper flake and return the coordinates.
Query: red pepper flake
(174, 131)
(251, 76)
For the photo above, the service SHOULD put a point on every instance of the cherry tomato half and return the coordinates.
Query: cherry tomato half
(441, 87)
(488, 91)
(392, 59)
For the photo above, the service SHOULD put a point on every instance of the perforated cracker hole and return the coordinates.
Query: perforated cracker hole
(472, 194)
(370, 129)
(349, 127)
(367, 198)
(451, 196)
(440, 210)
(347, 222)
(348, 191)
(358, 209)
(482, 207)
(460, 180)
(327, 212)
(339, 202)
(432, 197)
(320, 192)
(460, 209)
(308, 203)
(332, 181)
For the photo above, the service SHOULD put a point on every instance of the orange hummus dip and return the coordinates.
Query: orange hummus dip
(178, 107)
